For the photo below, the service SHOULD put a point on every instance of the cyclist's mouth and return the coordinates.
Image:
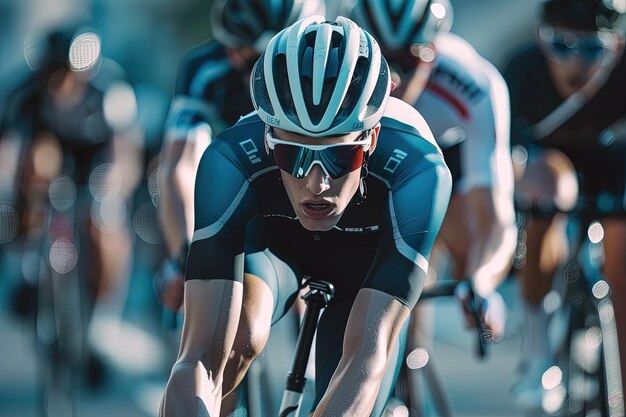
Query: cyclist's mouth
(318, 209)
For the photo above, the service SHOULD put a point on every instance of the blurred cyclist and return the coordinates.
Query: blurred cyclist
(212, 93)
(73, 115)
(328, 178)
(565, 91)
(465, 102)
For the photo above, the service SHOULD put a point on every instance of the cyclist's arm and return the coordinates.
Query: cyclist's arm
(414, 214)
(127, 143)
(180, 155)
(492, 241)
(488, 183)
(212, 309)
(373, 325)
(213, 290)
(127, 160)
(13, 140)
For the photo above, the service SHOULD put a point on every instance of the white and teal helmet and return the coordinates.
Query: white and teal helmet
(321, 78)
(399, 24)
(252, 23)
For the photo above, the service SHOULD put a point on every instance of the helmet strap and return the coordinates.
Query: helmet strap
(362, 191)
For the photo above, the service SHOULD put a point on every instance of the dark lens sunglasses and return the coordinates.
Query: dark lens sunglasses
(336, 160)
(562, 45)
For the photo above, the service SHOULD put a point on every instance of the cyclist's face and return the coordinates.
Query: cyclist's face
(318, 200)
(574, 57)
(242, 58)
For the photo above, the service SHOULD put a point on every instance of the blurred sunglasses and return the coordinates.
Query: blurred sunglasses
(336, 160)
(561, 45)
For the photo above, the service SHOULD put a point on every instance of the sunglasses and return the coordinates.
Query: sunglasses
(336, 160)
(561, 45)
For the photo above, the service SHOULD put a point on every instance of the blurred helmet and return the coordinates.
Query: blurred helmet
(74, 47)
(584, 15)
(398, 24)
(240, 23)
(320, 78)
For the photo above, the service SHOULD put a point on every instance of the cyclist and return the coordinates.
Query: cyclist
(327, 178)
(566, 89)
(71, 113)
(465, 102)
(212, 93)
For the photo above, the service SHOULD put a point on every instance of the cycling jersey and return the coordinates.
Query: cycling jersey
(601, 171)
(383, 243)
(83, 128)
(208, 90)
(466, 105)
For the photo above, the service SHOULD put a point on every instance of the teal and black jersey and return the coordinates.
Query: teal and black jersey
(245, 221)
(208, 90)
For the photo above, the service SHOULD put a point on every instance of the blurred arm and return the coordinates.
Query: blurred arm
(492, 240)
(177, 174)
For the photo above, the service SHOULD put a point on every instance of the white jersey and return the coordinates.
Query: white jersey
(466, 105)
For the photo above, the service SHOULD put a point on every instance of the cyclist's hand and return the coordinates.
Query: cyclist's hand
(491, 311)
(170, 285)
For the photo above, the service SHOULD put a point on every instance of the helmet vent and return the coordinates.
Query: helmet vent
(260, 93)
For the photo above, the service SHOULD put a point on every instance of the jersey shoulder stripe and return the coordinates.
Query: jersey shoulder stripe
(243, 144)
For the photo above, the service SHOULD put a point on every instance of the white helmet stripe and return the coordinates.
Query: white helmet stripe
(293, 70)
(320, 60)
(346, 70)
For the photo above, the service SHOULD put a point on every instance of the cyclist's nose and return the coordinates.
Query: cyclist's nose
(317, 181)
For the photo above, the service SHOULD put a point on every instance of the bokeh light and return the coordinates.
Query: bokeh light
(103, 180)
(595, 232)
(417, 359)
(84, 51)
(63, 255)
(553, 399)
(120, 106)
(112, 213)
(153, 187)
(552, 301)
(519, 155)
(600, 289)
(62, 193)
(9, 223)
(552, 378)
(585, 350)
(146, 224)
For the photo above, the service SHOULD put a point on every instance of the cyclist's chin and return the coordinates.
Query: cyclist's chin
(319, 224)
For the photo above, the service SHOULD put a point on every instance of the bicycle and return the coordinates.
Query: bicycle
(319, 295)
(65, 298)
(586, 379)
(61, 317)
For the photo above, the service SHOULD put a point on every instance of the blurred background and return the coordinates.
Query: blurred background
(148, 38)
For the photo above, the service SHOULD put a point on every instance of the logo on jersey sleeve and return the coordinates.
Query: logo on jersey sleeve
(394, 161)
(250, 149)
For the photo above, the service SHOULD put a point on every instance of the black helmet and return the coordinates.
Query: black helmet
(239, 23)
(584, 15)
